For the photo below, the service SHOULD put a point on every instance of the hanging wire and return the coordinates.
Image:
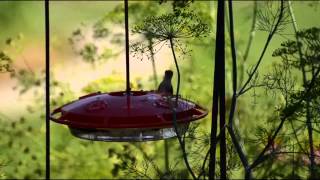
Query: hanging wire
(127, 46)
(47, 56)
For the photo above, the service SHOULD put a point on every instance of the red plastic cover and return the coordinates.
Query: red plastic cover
(140, 109)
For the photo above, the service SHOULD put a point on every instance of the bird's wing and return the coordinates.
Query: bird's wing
(160, 87)
(171, 89)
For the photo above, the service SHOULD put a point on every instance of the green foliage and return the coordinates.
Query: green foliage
(301, 99)
(177, 5)
(172, 26)
(100, 31)
(108, 84)
(309, 45)
(2, 175)
(27, 79)
(114, 82)
(5, 63)
(75, 158)
(114, 16)
(60, 93)
(267, 16)
(22, 144)
(92, 51)
(89, 52)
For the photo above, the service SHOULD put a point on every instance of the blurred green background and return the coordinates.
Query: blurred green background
(22, 120)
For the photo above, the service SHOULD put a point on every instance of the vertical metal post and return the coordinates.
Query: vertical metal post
(47, 94)
(222, 101)
(127, 46)
(222, 94)
(218, 101)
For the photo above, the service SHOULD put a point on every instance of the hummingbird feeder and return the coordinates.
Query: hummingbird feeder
(127, 115)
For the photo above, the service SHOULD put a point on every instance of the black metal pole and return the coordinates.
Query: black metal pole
(47, 56)
(127, 46)
(218, 101)
(222, 101)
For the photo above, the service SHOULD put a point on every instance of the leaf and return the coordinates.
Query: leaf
(5, 63)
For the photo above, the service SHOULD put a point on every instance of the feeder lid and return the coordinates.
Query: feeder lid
(139, 109)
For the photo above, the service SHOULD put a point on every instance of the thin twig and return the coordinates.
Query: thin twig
(182, 145)
(251, 37)
(178, 71)
(234, 139)
(270, 36)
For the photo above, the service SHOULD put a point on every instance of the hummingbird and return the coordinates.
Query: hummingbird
(165, 87)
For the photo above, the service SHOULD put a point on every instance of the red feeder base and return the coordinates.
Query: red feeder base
(116, 116)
